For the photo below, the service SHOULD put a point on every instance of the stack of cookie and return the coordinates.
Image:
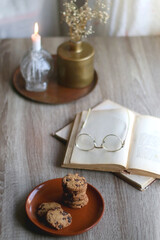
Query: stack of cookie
(74, 191)
(53, 213)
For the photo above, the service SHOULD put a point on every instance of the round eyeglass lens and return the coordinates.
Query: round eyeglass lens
(84, 142)
(112, 143)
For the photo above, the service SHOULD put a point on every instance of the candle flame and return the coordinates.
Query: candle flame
(36, 28)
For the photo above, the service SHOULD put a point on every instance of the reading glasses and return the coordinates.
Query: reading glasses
(111, 142)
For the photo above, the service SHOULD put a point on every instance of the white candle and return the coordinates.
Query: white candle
(36, 39)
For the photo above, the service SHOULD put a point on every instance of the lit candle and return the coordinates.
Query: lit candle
(36, 39)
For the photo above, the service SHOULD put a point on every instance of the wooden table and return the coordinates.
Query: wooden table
(129, 74)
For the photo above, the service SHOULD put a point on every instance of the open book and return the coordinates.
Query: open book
(140, 182)
(140, 153)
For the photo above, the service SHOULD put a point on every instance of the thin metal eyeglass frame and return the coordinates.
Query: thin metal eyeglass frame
(102, 144)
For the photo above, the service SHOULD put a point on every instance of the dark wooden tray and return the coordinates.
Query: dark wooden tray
(55, 93)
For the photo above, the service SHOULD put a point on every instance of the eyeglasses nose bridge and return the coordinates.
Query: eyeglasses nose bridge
(98, 147)
(95, 144)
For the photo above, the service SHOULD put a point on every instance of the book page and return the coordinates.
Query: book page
(64, 132)
(100, 124)
(145, 150)
(140, 182)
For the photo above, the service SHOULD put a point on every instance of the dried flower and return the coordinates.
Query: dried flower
(77, 18)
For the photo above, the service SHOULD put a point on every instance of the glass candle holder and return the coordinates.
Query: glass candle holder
(36, 68)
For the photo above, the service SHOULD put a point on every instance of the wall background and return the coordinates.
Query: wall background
(127, 18)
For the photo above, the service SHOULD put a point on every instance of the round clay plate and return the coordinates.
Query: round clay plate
(55, 93)
(83, 219)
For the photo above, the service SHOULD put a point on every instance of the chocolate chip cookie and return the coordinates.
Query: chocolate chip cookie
(74, 197)
(76, 204)
(74, 191)
(44, 207)
(74, 183)
(58, 218)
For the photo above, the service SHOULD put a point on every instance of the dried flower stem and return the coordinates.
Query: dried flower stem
(77, 18)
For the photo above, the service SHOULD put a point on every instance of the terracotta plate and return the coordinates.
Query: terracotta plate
(55, 93)
(83, 219)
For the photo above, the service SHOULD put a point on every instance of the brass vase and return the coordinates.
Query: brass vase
(75, 62)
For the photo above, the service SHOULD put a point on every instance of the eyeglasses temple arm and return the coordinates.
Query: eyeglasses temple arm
(88, 113)
(127, 128)
(123, 143)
